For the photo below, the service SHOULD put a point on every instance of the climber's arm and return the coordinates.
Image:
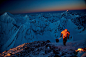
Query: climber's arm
(68, 34)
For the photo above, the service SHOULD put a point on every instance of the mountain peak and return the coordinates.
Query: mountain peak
(66, 13)
(7, 13)
(26, 16)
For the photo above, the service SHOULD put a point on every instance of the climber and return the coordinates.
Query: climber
(66, 34)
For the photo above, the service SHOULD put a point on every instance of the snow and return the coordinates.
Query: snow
(36, 27)
(9, 44)
(46, 49)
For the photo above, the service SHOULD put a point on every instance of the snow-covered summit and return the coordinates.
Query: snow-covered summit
(7, 17)
(26, 16)
(66, 14)
(7, 13)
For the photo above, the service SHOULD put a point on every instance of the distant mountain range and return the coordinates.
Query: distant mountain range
(74, 11)
(18, 29)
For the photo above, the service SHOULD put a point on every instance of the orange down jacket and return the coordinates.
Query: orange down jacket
(65, 33)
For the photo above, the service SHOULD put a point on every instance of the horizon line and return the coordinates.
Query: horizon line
(44, 11)
(50, 11)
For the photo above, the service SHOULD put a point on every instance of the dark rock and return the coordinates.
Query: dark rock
(48, 41)
(63, 54)
(27, 48)
(47, 51)
(57, 56)
(55, 51)
(48, 45)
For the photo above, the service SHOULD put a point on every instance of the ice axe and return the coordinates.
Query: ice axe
(60, 37)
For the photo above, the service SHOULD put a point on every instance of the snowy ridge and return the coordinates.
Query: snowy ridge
(46, 48)
(10, 43)
(7, 17)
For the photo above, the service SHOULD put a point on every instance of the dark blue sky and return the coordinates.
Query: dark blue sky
(28, 6)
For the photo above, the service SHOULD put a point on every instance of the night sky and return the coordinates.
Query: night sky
(29, 6)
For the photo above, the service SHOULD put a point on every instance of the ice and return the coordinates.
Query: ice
(9, 44)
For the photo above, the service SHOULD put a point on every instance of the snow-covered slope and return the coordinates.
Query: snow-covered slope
(46, 49)
(19, 29)
(7, 28)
